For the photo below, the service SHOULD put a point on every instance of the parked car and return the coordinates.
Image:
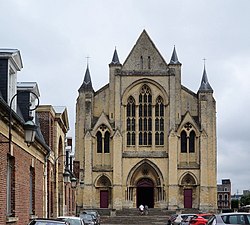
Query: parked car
(197, 220)
(171, 219)
(43, 221)
(95, 213)
(72, 220)
(181, 218)
(205, 215)
(88, 219)
(230, 218)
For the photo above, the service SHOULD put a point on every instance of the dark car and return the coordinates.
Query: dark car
(72, 220)
(43, 221)
(230, 218)
(95, 214)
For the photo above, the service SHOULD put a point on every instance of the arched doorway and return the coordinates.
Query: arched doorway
(188, 184)
(103, 183)
(145, 192)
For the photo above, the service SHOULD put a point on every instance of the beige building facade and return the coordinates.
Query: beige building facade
(144, 138)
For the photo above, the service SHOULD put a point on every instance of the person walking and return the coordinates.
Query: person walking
(141, 209)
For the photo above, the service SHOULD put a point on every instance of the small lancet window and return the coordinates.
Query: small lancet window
(141, 63)
(149, 62)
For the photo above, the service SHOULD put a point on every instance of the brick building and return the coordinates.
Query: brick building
(224, 194)
(29, 188)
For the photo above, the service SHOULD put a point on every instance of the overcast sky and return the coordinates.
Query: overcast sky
(56, 36)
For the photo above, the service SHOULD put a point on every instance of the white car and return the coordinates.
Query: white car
(182, 219)
(230, 218)
(72, 220)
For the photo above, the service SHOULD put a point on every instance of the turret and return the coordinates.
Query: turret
(205, 86)
(174, 59)
(114, 66)
(84, 111)
(87, 84)
(175, 68)
(207, 118)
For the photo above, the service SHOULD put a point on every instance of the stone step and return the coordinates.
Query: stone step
(146, 220)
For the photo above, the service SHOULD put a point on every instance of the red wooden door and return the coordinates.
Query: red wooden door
(104, 199)
(188, 194)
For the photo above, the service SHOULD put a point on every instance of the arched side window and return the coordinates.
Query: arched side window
(188, 137)
(103, 140)
(192, 141)
(183, 141)
(159, 121)
(99, 142)
(131, 121)
(145, 116)
(106, 142)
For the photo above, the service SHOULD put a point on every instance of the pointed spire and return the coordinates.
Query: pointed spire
(115, 59)
(174, 58)
(205, 86)
(87, 84)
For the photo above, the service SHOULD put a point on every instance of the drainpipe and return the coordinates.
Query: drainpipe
(46, 183)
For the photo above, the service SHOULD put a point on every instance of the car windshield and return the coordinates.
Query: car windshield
(72, 221)
(45, 223)
(86, 216)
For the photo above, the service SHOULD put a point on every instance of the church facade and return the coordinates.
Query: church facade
(144, 138)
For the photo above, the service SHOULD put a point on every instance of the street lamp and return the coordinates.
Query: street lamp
(73, 182)
(29, 126)
(82, 184)
(67, 176)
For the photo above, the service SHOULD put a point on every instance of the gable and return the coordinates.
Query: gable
(144, 56)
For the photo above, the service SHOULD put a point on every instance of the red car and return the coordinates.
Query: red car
(200, 219)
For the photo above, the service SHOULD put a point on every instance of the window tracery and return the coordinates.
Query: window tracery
(103, 139)
(188, 138)
(148, 117)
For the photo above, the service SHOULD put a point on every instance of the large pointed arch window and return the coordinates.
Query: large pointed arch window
(103, 140)
(188, 137)
(159, 121)
(145, 116)
(131, 121)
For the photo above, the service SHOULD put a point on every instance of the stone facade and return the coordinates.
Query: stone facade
(144, 138)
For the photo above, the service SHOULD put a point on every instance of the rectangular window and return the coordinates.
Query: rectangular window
(10, 186)
(32, 190)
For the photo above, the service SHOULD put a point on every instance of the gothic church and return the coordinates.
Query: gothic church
(144, 138)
